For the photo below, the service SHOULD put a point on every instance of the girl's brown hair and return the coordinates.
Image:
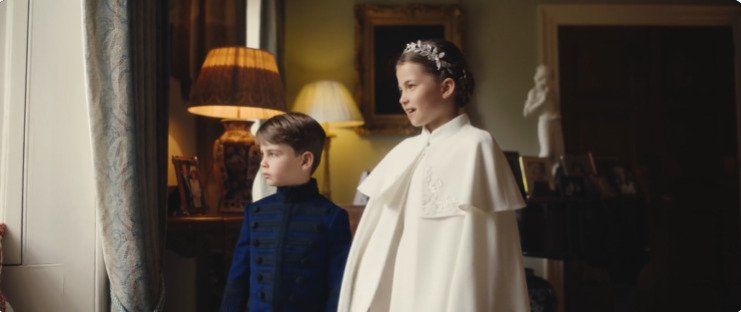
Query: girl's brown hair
(454, 67)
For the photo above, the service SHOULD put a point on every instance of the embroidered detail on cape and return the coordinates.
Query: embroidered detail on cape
(436, 203)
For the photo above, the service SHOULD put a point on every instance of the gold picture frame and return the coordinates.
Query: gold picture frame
(536, 175)
(381, 32)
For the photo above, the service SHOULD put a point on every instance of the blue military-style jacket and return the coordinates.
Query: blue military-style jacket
(290, 254)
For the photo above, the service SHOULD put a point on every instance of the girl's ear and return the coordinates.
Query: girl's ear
(447, 87)
(307, 160)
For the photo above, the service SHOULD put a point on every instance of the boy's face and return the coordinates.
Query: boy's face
(281, 166)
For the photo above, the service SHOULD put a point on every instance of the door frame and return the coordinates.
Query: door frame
(551, 16)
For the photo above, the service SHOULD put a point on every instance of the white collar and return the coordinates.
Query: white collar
(446, 130)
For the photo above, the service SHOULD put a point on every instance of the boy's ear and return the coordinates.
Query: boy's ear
(307, 160)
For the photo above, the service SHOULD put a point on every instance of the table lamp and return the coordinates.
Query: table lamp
(332, 105)
(238, 85)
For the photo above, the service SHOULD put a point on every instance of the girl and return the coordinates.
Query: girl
(439, 232)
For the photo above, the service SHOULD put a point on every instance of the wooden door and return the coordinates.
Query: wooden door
(661, 99)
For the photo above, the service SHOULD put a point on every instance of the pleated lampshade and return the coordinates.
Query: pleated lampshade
(329, 102)
(238, 83)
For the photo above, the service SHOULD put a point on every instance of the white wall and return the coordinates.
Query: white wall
(13, 38)
(58, 263)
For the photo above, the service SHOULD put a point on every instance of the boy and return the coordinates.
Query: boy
(292, 247)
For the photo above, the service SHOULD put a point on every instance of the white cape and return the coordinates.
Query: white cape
(468, 177)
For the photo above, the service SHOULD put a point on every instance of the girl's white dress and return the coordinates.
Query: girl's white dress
(439, 232)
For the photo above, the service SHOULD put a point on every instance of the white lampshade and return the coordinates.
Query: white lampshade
(329, 102)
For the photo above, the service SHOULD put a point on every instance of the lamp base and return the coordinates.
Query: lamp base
(326, 185)
(236, 161)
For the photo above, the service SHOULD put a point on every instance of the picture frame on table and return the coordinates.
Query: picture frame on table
(622, 179)
(513, 159)
(619, 177)
(190, 185)
(536, 175)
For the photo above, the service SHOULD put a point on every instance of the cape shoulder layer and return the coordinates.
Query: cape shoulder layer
(466, 169)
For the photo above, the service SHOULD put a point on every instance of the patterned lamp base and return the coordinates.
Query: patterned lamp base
(236, 160)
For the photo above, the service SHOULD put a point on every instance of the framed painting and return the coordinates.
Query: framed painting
(381, 33)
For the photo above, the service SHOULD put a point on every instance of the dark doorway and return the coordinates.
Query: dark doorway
(662, 100)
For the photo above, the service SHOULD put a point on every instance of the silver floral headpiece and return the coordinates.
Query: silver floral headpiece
(430, 53)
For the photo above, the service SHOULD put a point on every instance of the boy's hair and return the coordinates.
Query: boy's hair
(297, 130)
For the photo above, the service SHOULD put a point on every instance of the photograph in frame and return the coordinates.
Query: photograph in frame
(190, 185)
(536, 175)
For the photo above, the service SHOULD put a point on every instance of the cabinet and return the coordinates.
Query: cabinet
(603, 243)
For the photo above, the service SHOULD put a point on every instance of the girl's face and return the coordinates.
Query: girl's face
(426, 101)
(281, 165)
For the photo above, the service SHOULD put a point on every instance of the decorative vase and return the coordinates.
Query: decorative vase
(236, 161)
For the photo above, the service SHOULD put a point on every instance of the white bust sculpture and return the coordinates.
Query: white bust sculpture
(542, 100)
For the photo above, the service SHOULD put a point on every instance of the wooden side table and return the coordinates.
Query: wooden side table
(210, 239)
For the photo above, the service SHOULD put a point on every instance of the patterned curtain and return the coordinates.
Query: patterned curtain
(125, 137)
